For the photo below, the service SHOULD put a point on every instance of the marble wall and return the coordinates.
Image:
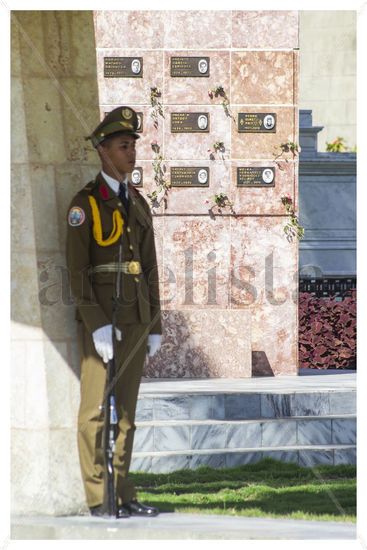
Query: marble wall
(228, 285)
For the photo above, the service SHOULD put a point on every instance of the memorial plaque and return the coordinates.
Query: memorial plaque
(255, 176)
(140, 120)
(123, 67)
(189, 176)
(137, 177)
(257, 122)
(189, 122)
(190, 66)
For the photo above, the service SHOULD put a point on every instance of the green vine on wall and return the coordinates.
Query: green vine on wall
(287, 147)
(157, 109)
(292, 228)
(221, 201)
(217, 146)
(162, 185)
(219, 91)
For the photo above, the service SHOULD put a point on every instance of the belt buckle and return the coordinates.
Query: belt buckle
(134, 267)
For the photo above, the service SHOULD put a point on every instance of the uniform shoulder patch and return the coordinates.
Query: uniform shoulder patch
(76, 216)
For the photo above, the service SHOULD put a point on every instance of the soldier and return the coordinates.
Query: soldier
(107, 212)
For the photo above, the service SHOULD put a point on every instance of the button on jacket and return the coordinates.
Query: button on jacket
(139, 293)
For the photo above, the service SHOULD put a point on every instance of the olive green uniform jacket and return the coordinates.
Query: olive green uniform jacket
(139, 300)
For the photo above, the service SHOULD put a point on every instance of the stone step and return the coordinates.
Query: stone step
(174, 422)
(222, 423)
(313, 455)
(180, 435)
(244, 405)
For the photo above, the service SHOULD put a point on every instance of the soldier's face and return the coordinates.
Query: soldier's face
(118, 153)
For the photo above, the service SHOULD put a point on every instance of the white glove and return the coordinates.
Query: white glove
(154, 343)
(102, 338)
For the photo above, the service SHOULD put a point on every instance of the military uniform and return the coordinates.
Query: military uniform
(92, 271)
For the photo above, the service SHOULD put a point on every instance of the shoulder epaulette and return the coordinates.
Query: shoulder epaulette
(90, 185)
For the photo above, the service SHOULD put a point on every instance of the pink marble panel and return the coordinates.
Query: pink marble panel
(264, 29)
(186, 200)
(203, 343)
(125, 91)
(262, 257)
(275, 340)
(186, 90)
(265, 276)
(129, 28)
(180, 146)
(196, 262)
(190, 29)
(264, 145)
(263, 200)
(262, 77)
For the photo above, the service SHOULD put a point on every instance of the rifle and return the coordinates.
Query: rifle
(109, 506)
(109, 438)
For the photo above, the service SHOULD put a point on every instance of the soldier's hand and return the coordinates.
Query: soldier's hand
(118, 334)
(102, 338)
(154, 343)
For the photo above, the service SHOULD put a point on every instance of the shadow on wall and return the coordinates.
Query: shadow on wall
(54, 105)
(181, 357)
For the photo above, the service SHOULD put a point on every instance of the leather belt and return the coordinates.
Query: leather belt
(132, 267)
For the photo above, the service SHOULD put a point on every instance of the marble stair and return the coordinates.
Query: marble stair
(223, 428)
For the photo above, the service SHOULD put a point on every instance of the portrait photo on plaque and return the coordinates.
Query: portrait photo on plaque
(269, 122)
(202, 122)
(135, 66)
(137, 176)
(203, 65)
(202, 175)
(267, 175)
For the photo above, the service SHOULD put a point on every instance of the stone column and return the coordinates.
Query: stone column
(54, 95)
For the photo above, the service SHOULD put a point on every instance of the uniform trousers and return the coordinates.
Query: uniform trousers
(130, 356)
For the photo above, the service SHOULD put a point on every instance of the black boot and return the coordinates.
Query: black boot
(98, 512)
(135, 508)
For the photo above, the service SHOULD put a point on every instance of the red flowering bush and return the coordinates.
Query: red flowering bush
(327, 332)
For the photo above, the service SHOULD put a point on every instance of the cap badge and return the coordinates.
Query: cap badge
(126, 113)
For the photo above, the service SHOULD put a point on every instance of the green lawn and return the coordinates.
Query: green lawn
(269, 488)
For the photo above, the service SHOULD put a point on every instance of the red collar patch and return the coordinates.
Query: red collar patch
(104, 191)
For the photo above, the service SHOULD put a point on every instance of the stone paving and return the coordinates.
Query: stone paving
(179, 526)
